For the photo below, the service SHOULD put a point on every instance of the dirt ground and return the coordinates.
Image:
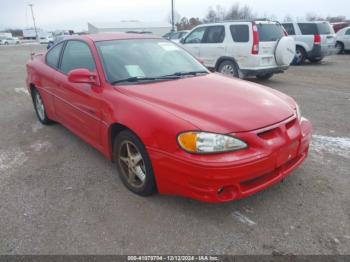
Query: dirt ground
(60, 196)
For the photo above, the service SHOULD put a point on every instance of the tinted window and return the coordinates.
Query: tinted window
(270, 32)
(77, 55)
(53, 55)
(240, 33)
(289, 28)
(144, 58)
(215, 34)
(324, 29)
(308, 29)
(347, 32)
(196, 36)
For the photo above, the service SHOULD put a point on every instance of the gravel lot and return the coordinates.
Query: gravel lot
(60, 196)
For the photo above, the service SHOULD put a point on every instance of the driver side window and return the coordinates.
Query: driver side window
(196, 36)
(76, 55)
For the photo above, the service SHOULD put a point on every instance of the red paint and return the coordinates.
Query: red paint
(157, 112)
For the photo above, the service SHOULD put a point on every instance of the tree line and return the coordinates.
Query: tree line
(244, 12)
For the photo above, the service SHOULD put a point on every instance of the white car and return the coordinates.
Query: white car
(242, 49)
(10, 41)
(176, 37)
(343, 40)
(314, 40)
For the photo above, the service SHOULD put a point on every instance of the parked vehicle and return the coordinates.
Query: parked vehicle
(242, 48)
(176, 37)
(168, 123)
(314, 40)
(339, 26)
(10, 41)
(45, 40)
(343, 40)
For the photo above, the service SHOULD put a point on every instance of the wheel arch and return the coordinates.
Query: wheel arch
(225, 58)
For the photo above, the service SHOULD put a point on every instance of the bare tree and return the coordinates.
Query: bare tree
(314, 17)
(287, 18)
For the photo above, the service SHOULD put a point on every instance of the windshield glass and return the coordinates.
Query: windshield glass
(270, 32)
(144, 58)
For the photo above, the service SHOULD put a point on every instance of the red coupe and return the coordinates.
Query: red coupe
(168, 123)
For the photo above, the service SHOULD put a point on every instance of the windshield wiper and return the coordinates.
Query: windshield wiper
(141, 79)
(193, 73)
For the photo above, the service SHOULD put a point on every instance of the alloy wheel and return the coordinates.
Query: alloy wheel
(39, 105)
(132, 164)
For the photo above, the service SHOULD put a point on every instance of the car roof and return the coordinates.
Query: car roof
(112, 36)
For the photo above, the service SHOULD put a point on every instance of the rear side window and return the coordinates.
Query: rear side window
(240, 33)
(324, 29)
(347, 32)
(215, 34)
(308, 29)
(196, 36)
(76, 55)
(270, 32)
(289, 28)
(53, 56)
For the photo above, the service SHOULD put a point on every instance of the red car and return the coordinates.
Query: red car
(168, 123)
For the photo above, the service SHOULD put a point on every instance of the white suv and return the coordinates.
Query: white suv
(242, 48)
(314, 40)
(343, 40)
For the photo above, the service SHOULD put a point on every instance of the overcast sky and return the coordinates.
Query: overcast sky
(74, 14)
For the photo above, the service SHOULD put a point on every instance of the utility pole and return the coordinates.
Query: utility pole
(172, 16)
(36, 31)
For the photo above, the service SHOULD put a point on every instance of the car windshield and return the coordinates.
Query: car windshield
(145, 59)
(270, 32)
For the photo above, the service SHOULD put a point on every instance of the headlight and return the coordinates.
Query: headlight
(206, 143)
(298, 112)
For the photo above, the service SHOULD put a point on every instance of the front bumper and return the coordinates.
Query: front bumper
(237, 175)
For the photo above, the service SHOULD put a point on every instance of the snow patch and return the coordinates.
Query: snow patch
(22, 90)
(40, 146)
(243, 219)
(333, 145)
(36, 127)
(12, 158)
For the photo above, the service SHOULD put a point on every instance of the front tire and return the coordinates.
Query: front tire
(228, 67)
(339, 47)
(133, 164)
(39, 108)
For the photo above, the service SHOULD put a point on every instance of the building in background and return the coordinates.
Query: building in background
(5, 35)
(156, 28)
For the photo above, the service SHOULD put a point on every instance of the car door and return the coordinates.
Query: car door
(213, 45)
(77, 105)
(194, 40)
(240, 49)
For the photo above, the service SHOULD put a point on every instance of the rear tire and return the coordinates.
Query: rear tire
(39, 108)
(133, 164)
(300, 56)
(264, 76)
(228, 67)
(340, 48)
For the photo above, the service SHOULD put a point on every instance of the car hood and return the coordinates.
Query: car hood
(217, 103)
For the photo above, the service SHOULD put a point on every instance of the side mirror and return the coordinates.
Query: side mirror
(83, 75)
(182, 40)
